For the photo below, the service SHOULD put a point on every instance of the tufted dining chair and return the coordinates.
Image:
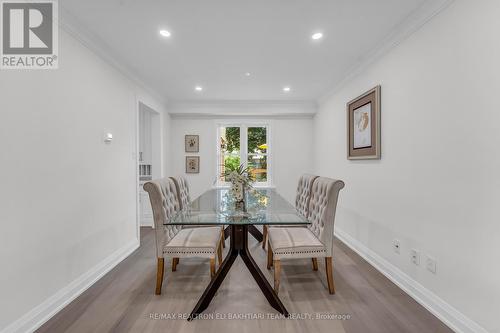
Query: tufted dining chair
(173, 241)
(302, 199)
(182, 189)
(316, 240)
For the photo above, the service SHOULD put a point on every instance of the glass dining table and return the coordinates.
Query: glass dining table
(219, 207)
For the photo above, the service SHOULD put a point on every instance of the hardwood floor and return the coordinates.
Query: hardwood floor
(124, 300)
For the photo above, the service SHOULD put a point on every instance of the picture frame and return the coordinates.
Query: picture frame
(192, 164)
(191, 143)
(363, 126)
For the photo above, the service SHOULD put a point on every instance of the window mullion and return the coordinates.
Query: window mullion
(219, 154)
(244, 145)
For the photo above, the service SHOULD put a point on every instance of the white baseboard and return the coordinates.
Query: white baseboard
(442, 310)
(438, 307)
(55, 303)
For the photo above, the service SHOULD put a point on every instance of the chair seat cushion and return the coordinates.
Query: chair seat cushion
(194, 242)
(295, 243)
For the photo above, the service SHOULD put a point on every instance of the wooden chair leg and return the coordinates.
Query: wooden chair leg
(315, 264)
(264, 236)
(329, 274)
(269, 256)
(212, 267)
(277, 272)
(159, 275)
(219, 254)
(175, 262)
(222, 238)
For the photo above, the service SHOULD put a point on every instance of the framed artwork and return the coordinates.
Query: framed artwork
(363, 126)
(192, 143)
(192, 164)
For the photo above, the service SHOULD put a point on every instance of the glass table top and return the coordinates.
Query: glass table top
(219, 207)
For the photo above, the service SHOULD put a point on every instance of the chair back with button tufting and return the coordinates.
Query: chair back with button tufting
(163, 197)
(182, 189)
(303, 197)
(322, 207)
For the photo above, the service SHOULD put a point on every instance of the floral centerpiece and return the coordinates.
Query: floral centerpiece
(241, 180)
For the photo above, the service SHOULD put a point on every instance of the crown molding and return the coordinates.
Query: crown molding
(402, 31)
(307, 104)
(240, 115)
(72, 25)
(241, 108)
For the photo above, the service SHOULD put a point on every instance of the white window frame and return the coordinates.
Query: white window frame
(244, 125)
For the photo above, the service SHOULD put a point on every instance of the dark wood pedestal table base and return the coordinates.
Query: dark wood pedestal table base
(251, 229)
(239, 247)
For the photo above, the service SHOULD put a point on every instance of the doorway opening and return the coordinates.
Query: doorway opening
(148, 160)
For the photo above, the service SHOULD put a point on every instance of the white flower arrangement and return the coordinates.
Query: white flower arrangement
(241, 179)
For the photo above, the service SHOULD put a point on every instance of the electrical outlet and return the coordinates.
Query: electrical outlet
(431, 265)
(415, 257)
(396, 246)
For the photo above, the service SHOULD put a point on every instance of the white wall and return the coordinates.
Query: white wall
(436, 187)
(291, 141)
(67, 200)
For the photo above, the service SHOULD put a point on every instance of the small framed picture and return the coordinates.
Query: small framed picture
(363, 126)
(192, 143)
(192, 164)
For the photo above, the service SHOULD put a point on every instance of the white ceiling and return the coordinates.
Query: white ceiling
(215, 42)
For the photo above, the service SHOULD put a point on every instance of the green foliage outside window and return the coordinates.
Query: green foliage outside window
(256, 139)
(232, 162)
(233, 139)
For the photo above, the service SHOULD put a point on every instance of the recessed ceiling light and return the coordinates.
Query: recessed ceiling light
(317, 35)
(165, 33)
(286, 89)
(247, 74)
(198, 88)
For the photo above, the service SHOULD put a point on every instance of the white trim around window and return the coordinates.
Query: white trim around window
(244, 125)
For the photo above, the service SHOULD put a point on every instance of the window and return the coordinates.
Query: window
(246, 144)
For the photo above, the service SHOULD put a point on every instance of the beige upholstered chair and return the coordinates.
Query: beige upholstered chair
(303, 196)
(312, 242)
(182, 188)
(173, 241)
(301, 201)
